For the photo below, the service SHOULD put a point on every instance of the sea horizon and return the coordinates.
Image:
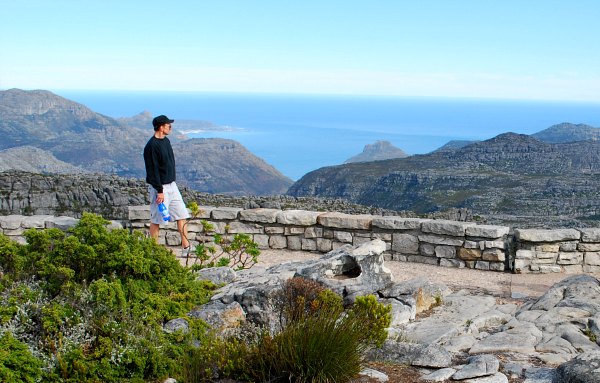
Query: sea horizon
(298, 133)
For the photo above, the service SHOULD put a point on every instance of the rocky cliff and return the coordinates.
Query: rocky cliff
(76, 135)
(506, 179)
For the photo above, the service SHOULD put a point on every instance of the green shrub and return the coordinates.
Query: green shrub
(319, 341)
(239, 252)
(323, 347)
(91, 303)
(376, 317)
(17, 364)
(216, 357)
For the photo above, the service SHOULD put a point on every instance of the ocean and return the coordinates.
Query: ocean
(300, 133)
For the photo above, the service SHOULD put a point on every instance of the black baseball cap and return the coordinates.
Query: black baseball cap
(161, 120)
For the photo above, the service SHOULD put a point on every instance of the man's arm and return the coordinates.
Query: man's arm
(151, 160)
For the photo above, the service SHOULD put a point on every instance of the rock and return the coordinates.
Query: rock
(444, 227)
(424, 293)
(297, 217)
(449, 319)
(576, 291)
(351, 273)
(236, 227)
(62, 223)
(540, 375)
(259, 215)
(345, 221)
(496, 378)
(405, 243)
(590, 235)
(460, 343)
(225, 213)
(217, 275)
(477, 366)
(440, 375)
(431, 356)
(539, 235)
(411, 353)
(175, 325)
(402, 311)
(374, 374)
(487, 231)
(521, 339)
(397, 223)
(584, 368)
(220, 316)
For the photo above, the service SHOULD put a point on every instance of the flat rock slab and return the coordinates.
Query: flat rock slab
(449, 320)
(519, 340)
(539, 235)
(346, 221)
(478, 366)
(496, 378)
(297, 217)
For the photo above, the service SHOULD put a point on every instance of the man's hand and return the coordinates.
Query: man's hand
(160, 198)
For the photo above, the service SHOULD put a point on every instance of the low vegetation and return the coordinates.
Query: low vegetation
(319, 340)
(238, 251)
(89, 305)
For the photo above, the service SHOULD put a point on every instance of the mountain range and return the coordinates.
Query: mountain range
(500, 179)
(551, 177)
(71, 133)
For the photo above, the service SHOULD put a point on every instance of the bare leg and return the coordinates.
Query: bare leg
(182, 227)
(154, 229)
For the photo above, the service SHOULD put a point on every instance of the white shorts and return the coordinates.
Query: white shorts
(173, 201)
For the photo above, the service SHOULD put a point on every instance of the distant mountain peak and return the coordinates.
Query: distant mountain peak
(568, 132)
(380, 150)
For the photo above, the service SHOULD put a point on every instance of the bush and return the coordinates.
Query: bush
(17, 364)
(375, 317)
(323, 347)
(91, 303)
(239, 252)
(319, 341)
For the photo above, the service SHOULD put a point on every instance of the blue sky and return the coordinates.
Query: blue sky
(524, 49)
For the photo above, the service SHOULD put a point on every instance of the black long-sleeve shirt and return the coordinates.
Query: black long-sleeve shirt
(160, 163)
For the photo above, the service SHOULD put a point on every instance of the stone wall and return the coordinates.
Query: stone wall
(437, 242)
(555, 251)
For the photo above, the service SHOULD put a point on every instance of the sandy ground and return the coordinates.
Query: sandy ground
(500, 284)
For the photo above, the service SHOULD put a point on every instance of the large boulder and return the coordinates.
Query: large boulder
(585, 368)
(351, 272)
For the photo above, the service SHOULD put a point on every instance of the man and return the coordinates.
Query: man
(160, 174)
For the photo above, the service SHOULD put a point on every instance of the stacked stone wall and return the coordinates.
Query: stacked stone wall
(557, 251)
(437, 242)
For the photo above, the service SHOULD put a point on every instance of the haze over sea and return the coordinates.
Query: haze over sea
(301, 133)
